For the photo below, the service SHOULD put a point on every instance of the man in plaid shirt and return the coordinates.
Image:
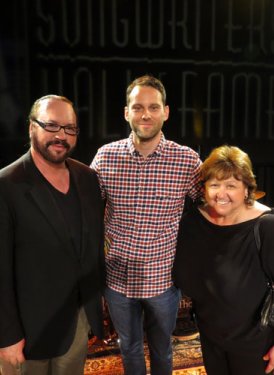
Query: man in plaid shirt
(144, 180)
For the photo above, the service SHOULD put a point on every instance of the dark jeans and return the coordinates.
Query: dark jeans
(157, 317)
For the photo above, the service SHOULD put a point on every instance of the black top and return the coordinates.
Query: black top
(219, 267)
(70, 207)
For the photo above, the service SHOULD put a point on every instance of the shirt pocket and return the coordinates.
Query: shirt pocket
(169, 203)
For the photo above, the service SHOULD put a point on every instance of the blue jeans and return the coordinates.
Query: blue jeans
(157, 317)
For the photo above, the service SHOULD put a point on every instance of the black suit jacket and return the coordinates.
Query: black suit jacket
(42, 280)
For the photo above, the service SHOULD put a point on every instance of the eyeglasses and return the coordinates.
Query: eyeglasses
(54, 128)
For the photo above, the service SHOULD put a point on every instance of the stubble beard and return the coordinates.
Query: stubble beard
(146, 136)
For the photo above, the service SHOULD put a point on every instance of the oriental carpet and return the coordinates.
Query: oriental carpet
(187, 357)
(104, 356)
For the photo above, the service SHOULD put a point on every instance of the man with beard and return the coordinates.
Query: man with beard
(51, 249)
(144, 179)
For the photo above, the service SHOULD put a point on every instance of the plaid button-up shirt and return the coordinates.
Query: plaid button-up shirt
(144, 202)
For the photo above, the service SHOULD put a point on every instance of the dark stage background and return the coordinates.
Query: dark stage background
(215, 57)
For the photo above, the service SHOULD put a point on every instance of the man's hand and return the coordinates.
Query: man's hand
(14, 353)
(269, 356)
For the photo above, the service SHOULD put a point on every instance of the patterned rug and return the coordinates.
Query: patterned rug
(104, 356)
(187, 357)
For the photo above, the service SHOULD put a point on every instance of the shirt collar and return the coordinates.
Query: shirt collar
(159, 149)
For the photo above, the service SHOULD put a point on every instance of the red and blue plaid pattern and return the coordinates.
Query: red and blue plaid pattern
(144, 202)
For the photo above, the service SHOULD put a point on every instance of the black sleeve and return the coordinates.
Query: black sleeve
(267, 243)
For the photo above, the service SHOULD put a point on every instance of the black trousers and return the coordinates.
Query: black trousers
(239, 359)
